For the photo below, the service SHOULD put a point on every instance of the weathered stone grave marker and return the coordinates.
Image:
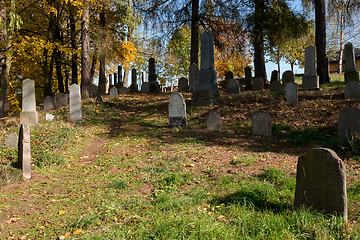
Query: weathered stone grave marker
(28, 113)
(183, 85)
(145, 87)
(213, 122)
(321, 182)
(193, 76)
(177, 110)
(134, 85)
(232, 87)
(12, 140)
(258, 84)
(60, 100)
(288, 76)
(114, 92)
(310, 80)
(348, 125)
(274, 76)
(291, 92)
(276, 86)
(154, 85)
(24, 152)
(229, 75)
(351, 73)
(261, 123)
(49, 104)
(352, 90)
(75, 103)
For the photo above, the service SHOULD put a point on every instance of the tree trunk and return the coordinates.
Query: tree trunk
(320, 41)
(126, 77)
(85, 58)
(47, 72)
(258, 41)
(74, 56)
(102, 77)
(341, 53)
(59, 75)
(5, 62)
(93, 65)
(194, 51)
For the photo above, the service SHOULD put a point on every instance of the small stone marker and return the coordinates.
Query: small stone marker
(248, 79)
(310, 80)
(28, 113)
(276, 86)
(214, 121)
(348, 125)
(145, 87)
(352, 90)
(113, 92)
(288, 76)
(49, 117)
(351, 73)
(75, 103)
(261, 123)
(60, 100)
(123, 90)
(291, 92)
(183, 85)
(232, 87)
(24, 153)
(177, 110)
(12, 140)
(49, 104)
(258, 84)
(321, 182)
(274, 76)
(193, 76)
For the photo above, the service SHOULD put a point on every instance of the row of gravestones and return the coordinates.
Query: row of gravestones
(320, 178)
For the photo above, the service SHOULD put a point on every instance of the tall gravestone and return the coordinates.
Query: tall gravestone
(120, 78)
(261, 123)
(193, 76)
(28, 113)
(213, 122)
(351, 74)
(114, 92)
(288, 76)
(274, 76)
(154, 85)
(352, 90)
(206, 90)
(134, 85)
(321, 182)
(232, 87)
(49, 104)
(258, 84)
(310, 80)
(143, 77)
(348, 126)
(183, 85)
(291, 92)
(248, 78)
(75, 103)
(177, 110)
(24, 152)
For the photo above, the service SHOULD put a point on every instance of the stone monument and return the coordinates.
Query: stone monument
(214, 120)
(154, 85)
(177, 110)
(352, 90)
(49, 104)
(75, 103)
(351, 73)
(274, 76)
(291, 92)
(232, 87)
(114, 92)
(258, 84)
(24, 152)
(28, 114)
(261, 123)
(193, 76)
(134, 85)
(183, 85)
(348, 126)
(310, 80)
(61, 100)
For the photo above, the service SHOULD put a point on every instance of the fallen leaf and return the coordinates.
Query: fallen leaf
(14, 219)
(22, 237)
(78, 231)
(62, 212)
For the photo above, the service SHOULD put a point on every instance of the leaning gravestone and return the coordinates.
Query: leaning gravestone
(24, 153)
(261, 123)
(291, 92)
(248, 79)
(183, 85)
(75, 103)
(232, 87)
(258, 84)
(348, 125)
(28, 113)
(352, 90)
(12, 140)
(351, 74)
(274, 76)
(49, 104)
(113, 92)
(214, 121)
(321, 182)
(277, 87)
(177, 110)
(288, 76)
(133, 86)
(145, 87)
(193, 76)
(60, 100)
(310, 80)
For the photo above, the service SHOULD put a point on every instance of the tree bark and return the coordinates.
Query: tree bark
(85, 58)
(102, 77)
(93, 65)
(258, 40)
(47, 72)
(126, 77)
(5, 62)
(74, 56)
(320, 41)
(194, 51)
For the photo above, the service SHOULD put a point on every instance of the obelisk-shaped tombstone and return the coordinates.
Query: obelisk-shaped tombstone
(351, 74)
(75, 103)
(133, 86)
(310, 80)
(28, 113)
(154, 85)
(24, 153)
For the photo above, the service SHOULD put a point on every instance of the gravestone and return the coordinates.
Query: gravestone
(114, 92)
(193, 76)
(177, 110)
(258, 84)
(206, 90)
(12, 140)
(123, 90)
(49, 117)
(75, 103)
(352, 90)
(291, 92)
(261, 123)
(49, 104)
(154, 85)
(28, 113)
(288, 76)
(120, 78)
(310, 80)
(183, 85)
(214, 121)
(229, 75)
(232, 87)
(24, 152)
(351, 73)
(93, 90)
(274, 76)
(145, 87)
(277, 87)
(321, 182)
(348, 126)
(133, 86)
(60, 100)
(143, 77)
(248, 79)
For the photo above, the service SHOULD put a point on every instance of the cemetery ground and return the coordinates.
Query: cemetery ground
(122, 173)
